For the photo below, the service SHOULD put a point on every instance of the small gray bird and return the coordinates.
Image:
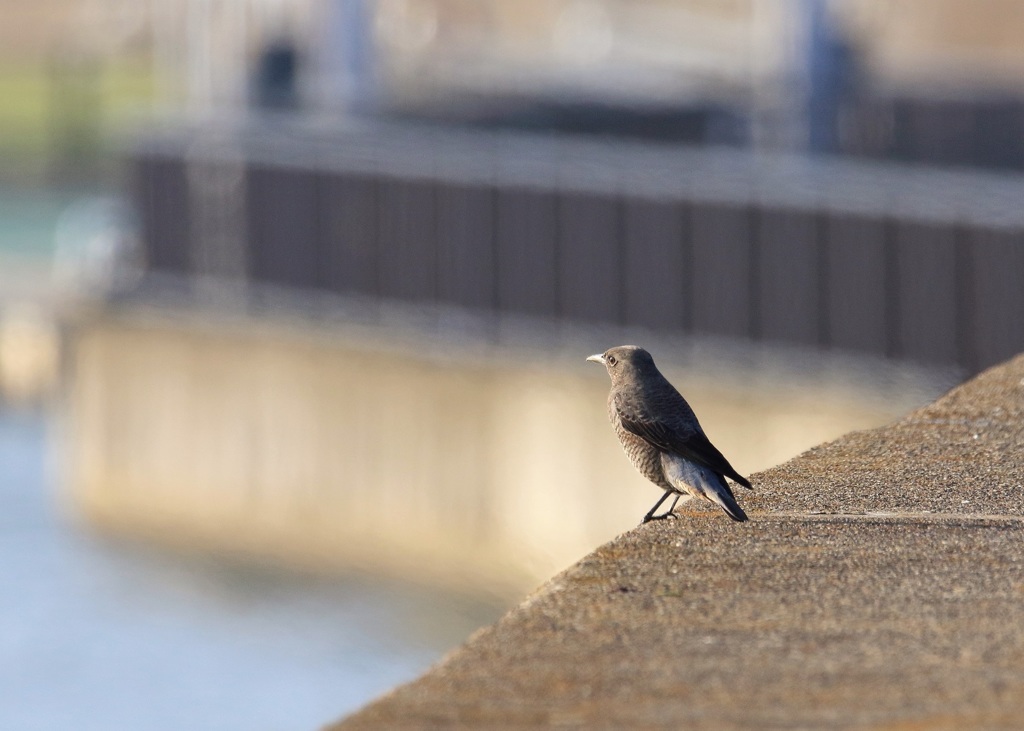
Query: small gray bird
(661, 435)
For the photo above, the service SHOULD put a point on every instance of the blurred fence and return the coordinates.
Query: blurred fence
(981, 130)
(911, 263)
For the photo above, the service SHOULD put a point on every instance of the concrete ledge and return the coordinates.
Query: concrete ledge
(879, 584)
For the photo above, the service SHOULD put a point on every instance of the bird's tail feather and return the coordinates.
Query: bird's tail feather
(742, 481)
(689, 477)
(724, 498)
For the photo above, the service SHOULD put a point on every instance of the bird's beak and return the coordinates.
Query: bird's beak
(596, 358)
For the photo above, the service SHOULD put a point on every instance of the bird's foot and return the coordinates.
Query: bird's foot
(664, 516)
(667, 514)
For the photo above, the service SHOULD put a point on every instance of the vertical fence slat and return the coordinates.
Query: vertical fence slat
(721, 254)
(348, 236)
(589, 257)
(996, 320)
(161, 190)
(282, 223)
(526, 251)
(407, 228)
(465, 245)
(656, 276)
(788, 276)
(926, 288)
(855, 272)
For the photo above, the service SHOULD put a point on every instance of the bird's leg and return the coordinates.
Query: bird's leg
(667, 514)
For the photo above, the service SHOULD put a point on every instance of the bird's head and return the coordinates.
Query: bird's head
(625, 361)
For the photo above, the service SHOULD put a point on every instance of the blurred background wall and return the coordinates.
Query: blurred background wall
(308, 284)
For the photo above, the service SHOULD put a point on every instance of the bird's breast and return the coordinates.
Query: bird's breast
(645, 458)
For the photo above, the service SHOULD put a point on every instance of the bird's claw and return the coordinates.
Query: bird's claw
(663, 516)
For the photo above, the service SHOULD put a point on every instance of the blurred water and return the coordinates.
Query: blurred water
(28, 218)
(99, 635)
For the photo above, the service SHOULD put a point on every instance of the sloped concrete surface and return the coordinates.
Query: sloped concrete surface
(879, 584)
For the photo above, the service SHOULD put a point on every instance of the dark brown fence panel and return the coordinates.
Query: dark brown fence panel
(407, 228)
(535, 231)
(348, 234)
(465, 245)
(855, 283)
(590, 257)
(161, 193)
(995, 322)
(281, 209)
(926, 287)
(789, 276)
(526, 251)
(987, 131)
(656, 270)
(937, 131)
(722, 269)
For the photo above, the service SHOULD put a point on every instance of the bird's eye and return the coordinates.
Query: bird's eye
(611, 360)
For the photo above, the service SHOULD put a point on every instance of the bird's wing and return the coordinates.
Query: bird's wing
(684, 440)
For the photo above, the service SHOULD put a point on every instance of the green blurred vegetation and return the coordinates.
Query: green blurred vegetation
(58, 119)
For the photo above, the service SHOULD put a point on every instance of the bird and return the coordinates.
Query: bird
(661, 435)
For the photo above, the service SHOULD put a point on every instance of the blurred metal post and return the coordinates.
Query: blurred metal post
(346, 73)
(218, 236)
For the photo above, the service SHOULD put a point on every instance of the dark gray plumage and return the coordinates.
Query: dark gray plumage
(661, 435)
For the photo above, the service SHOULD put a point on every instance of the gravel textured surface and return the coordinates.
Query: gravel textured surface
(879, 584)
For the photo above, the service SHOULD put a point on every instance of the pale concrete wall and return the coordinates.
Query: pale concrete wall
(471, 464)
